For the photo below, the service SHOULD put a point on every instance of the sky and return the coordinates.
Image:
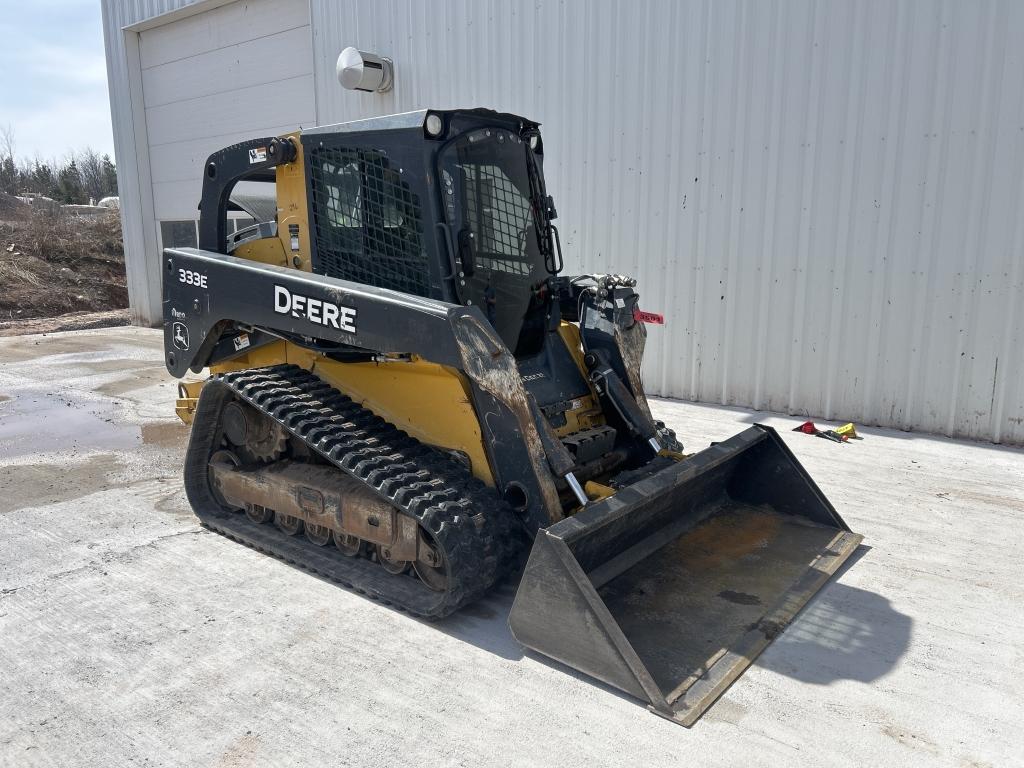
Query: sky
(53, 77)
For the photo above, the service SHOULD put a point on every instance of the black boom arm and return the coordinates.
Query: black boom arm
(208, 296)
(206, 293)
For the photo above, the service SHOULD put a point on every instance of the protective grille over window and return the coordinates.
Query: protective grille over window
(499, 216)
(367, 223)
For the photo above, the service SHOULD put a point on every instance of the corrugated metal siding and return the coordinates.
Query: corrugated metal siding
(824, 198)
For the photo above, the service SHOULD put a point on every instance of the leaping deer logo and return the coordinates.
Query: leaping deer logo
(180, 335)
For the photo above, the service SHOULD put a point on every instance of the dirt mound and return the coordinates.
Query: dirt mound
(52, 263)
(73, 321)
(13, 208)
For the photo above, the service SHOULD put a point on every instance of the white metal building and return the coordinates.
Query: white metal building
(825, 199)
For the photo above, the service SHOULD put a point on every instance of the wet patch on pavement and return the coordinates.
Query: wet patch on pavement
(34, 421)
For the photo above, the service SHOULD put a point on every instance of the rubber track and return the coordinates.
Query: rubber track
(469, 523)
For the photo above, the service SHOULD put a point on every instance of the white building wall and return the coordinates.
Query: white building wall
(219, 77)
(823, 198)
(186, 79)
(139, 227)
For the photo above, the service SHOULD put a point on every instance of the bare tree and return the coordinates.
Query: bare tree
(90, 169)
(7, 142)
(8, 170)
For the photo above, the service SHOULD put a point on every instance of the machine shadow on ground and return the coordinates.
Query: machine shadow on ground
(485, 623)
(844, 633)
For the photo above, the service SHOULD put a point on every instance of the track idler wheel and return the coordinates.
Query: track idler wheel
(432, 570)
(223, 457)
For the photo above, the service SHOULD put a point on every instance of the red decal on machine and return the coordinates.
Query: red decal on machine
(648, 317)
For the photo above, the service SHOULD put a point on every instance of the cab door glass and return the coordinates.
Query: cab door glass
(490, 212)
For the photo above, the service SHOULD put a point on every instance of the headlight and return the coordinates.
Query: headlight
(434, 125)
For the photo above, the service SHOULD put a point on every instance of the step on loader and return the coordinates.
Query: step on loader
(406, 395)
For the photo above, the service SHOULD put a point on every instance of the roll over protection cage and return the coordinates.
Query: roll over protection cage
(252, 160)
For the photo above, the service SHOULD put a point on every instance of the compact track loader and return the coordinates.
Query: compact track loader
(406, 394)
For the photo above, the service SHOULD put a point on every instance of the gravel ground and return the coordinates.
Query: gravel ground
(131, 636)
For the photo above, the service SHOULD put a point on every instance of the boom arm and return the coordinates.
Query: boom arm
(207, 295)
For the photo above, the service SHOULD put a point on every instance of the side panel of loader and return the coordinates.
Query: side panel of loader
(671, 588)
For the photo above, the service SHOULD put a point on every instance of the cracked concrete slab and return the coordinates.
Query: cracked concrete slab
(129, 635)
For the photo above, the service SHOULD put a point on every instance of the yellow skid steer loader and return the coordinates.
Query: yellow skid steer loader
(406, 394)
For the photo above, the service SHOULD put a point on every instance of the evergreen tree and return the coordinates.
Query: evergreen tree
(42, 180)
(109, 174)
(9, 176)
(69, 185)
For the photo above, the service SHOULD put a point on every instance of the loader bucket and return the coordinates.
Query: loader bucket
(669, 589)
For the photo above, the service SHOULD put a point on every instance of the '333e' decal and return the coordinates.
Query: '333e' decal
(190, 277)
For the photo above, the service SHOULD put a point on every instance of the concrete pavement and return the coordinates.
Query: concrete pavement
(131, 636)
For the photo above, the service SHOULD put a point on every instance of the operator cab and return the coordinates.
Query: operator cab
(457, 211)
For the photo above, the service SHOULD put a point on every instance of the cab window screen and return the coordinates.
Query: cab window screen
(367, 223)
(499, 215)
